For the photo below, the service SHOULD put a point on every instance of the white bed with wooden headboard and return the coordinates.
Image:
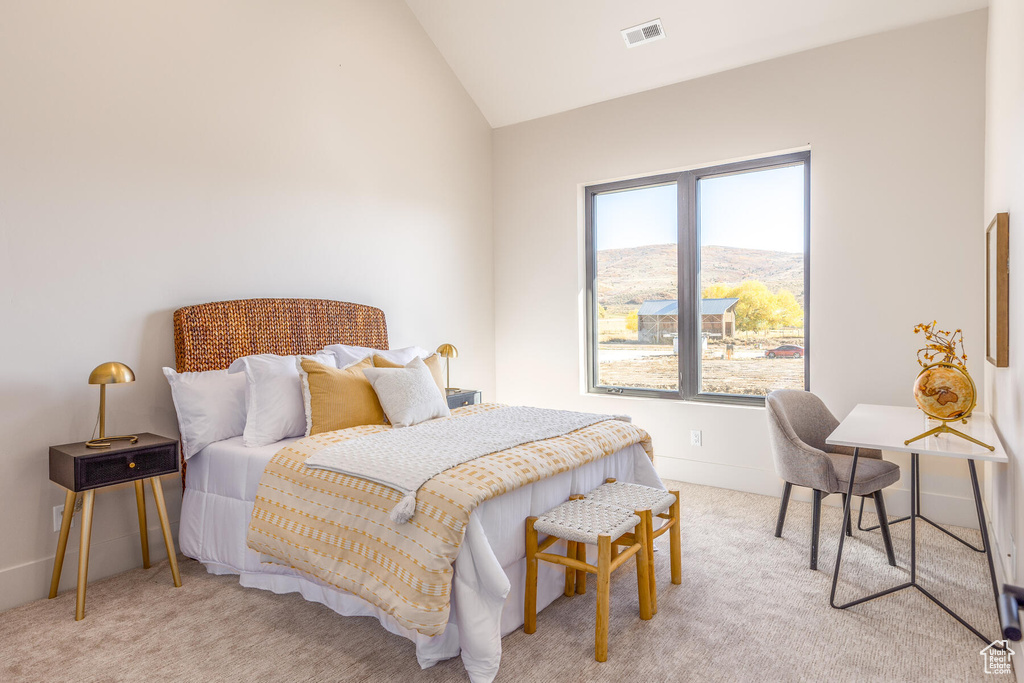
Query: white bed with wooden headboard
(221, 482)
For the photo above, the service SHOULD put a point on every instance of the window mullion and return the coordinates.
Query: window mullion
(688, 287)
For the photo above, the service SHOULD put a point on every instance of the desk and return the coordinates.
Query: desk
(886, 428)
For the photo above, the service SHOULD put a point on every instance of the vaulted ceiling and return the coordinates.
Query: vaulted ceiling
(523, 59)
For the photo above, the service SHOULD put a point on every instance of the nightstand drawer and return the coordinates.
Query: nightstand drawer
(463, 398)
(118, 467)
(78, 468)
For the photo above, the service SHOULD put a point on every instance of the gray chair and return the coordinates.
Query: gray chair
(798, 424)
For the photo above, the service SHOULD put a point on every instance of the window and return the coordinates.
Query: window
(697, 282)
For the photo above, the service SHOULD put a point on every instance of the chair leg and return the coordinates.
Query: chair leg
(643, 586)
(530, 608)
(648, 521)
(604, 566)
(815, 527)
(581, 576)
(674, 541)
(849, 521)
(883, 522)
(782, 509)
(570, 574)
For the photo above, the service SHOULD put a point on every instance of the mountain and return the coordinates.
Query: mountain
(628, 277)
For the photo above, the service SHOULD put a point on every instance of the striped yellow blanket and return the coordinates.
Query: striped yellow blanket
(336, 528)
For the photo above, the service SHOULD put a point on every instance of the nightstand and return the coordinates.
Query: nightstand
(463, 397)
(82, 470)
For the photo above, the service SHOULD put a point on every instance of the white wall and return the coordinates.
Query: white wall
(154, 155)
(895, 124)
(1004, 191)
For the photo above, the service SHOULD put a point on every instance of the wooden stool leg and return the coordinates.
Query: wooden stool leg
(530, 606)
(83, 553)
(581, 576)
(62, 541)
(674, 541)
(604, 566)
(570, 574)
(643, 585)
(140, 502)
(648, 520)
(165, 526)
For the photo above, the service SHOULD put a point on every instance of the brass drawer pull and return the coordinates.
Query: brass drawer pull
(131, 465)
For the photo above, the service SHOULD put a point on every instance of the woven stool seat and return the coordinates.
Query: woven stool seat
(584, 520)
(633, 497)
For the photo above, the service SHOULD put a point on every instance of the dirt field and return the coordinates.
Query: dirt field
(753, 376)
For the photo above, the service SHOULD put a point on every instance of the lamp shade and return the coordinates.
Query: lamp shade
(448, 351)
(111, 373)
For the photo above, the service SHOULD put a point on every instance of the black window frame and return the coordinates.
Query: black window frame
(688, 276)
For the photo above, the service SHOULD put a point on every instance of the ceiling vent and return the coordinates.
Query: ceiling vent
(644, 33)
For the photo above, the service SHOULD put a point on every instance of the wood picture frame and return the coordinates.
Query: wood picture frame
(997, 291)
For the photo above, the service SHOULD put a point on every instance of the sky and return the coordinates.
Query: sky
(758, 210)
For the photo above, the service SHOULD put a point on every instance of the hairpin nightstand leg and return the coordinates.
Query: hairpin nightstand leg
(140, 501)
(83, 553)
(165, 526)
(62, 542)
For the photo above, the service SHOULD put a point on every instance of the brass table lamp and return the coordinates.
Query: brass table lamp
(109, 373)
(447, 351)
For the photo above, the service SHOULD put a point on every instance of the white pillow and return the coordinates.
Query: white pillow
(210, 407)
(408, 395)
(273, 397)
(345, 356)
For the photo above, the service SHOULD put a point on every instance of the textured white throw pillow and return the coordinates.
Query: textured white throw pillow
(273, 397)
(345, 355)
(408, 395)
(210, 407)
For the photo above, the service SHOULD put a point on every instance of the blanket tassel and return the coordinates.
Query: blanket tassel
(406, 508)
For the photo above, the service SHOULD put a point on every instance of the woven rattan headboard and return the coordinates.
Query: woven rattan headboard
(210, 336)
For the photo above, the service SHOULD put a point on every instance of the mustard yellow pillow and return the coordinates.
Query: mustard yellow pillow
(433, 363)
(338, 399)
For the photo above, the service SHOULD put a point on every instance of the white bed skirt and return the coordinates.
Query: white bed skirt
(490, 571)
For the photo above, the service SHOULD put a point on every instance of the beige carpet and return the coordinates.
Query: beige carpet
(749, 609)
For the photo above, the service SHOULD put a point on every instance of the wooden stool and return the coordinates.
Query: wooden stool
(580, 522)
(647, 502)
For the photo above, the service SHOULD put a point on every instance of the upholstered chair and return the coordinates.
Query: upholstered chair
(798, 424)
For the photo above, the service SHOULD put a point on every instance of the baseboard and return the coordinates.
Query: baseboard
(941, 508)
(30, 581)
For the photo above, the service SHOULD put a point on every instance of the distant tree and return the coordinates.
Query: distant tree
(602, 312)
(632, 321)
(758, 308)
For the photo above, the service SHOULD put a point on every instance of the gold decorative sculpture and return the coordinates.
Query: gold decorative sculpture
(944, 390)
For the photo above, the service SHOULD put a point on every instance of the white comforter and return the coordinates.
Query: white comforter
(489, 571)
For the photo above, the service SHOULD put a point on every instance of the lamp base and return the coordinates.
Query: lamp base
(453, 390)
(104, 442)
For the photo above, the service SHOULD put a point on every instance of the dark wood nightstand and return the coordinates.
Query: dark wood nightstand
(463, 397)
(82, 470)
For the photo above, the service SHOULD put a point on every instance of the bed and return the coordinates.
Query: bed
(222, 479)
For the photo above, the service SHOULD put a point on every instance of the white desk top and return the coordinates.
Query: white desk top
(887, 427)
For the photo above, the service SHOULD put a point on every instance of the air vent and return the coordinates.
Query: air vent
(644, 33)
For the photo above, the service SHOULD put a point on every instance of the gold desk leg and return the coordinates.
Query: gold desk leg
(140, 501)
(62, 542)
(83, 553)
(165, 526)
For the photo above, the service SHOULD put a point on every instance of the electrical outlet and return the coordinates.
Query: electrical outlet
(694, 437)
(58, 515)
